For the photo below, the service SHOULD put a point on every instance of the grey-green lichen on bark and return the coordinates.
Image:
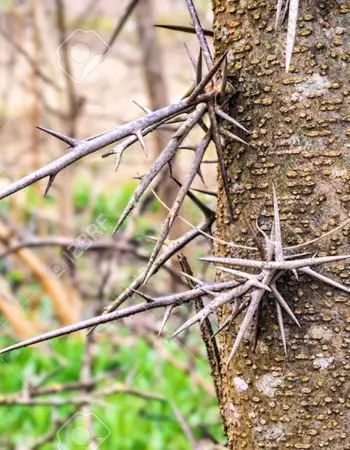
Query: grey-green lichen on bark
(300, 125)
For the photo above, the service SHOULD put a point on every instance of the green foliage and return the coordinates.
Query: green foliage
(15, 277)
(111, 204)
(129, 423)
(82, 189)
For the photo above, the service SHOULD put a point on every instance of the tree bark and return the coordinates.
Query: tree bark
(300, 143)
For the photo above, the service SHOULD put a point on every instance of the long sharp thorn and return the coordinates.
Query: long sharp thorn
(126, 14)
(205, 192)
(237, 273)
(268, 241)
(245, 275)
(277, 230)
(285, 11)
(118, 160)
(277, 265)
(220, 153)
(278, 13)
(270, 248)
(204, 208)
(291, 30)
(297, 255)
(227, 323)
(325, 279)
(105, 318)
(183, 28)
(200, 33)
(210, 308)
(192, 60)
(192, 278)
(243, 328)
(199, 68)
(207, 78)
(187, 324)
(167, 224)
(256, 328)
(231, 120)
(144, 109)
(200, 174)
(165, 318)
(142, 295)
(68, 140)
(281, 326)
(284, 304)
(224, 81)
(176, 246)
(260, 285)
(230, 319)
(93, 144)
(232, 136)
(49, 184)
(139, 136)
(161, 161)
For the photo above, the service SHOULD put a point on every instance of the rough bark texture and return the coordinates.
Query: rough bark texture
(300, 125)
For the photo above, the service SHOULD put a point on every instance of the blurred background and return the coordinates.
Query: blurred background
(124, 388)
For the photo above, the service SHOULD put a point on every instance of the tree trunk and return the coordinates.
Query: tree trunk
(300, 143)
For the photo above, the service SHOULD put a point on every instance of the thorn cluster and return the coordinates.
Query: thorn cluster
(275, 265)
(234, 292)
(205, 98)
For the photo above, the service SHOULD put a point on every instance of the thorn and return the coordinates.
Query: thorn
(220, 153)
(325, 279)
(298, 255)
(227, 323)
(223, 81)
(192, 278)
(232, 136)
(260, 285)
(163, 159)
(142, 295)
(281, 326)
(278, 13)
(144, 109)
(191, 58)
(185, 29)
(284, 304)
(230, 119)
(256, 329)
(252, 309)
(200, 33)
(276, 265)
(68, 140)
(204, 208)
(181, 195)
(247, 276)
(186, 325)
(165, 319)
(244, 327)
(277, 228)
(49, 183)
(138, 134)
(201, 86)
(295, 273)
(125, 16)
(199, 68)
(291, 30)
(265, 236)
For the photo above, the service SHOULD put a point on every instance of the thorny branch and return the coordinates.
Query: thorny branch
(208, 96)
